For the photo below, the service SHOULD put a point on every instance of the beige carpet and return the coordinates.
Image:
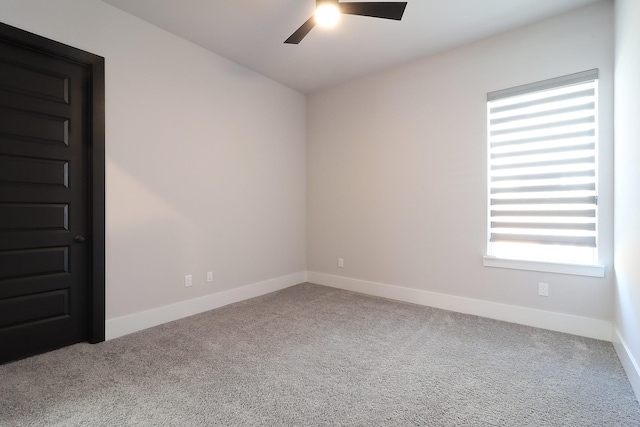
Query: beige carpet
(316, 356)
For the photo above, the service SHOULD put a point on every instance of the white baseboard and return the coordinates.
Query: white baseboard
(631, 366)
(146, 319)
(576, 325)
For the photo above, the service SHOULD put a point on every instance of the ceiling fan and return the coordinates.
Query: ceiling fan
(331, 10)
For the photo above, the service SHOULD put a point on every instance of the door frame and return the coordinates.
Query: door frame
(95, 141)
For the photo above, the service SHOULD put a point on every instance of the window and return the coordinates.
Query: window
(542, 159)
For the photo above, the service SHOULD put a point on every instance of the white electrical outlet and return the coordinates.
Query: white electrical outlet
(188, 280)
(209, 276)
(341, 262)
(543, 289)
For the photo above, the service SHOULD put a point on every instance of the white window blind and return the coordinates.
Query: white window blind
(542, 168)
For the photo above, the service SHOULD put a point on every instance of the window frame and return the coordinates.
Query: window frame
(534, 264)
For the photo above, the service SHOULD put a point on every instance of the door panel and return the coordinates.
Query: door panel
(34, 216)
(32, 170)
(20, 311)
(21, 78)
(26, 263)
(45, 195)
(28, 125)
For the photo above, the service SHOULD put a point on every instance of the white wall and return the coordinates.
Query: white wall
(397, 168)
(206, 165)
(205, 159)
(627, 188)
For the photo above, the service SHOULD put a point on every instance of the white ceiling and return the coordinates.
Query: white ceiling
(252, 32)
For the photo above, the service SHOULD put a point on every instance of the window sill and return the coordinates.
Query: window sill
(591, 270)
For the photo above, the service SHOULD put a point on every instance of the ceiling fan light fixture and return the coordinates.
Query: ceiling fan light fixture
(327, 15)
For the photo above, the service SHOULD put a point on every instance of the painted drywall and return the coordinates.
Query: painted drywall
(205, 159)
(397, 168)
(627, 186)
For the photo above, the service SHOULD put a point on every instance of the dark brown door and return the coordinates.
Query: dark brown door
(46, 294)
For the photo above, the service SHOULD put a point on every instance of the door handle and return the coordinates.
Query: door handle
(80, 238)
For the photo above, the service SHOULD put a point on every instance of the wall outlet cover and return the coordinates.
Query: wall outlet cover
(543, 289)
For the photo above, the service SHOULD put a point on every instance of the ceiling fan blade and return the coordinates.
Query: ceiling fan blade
(299, 34)
(383, 9)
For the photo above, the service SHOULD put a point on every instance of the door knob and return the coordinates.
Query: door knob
(80, 238)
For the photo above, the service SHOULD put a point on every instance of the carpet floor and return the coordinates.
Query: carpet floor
(316, 356)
